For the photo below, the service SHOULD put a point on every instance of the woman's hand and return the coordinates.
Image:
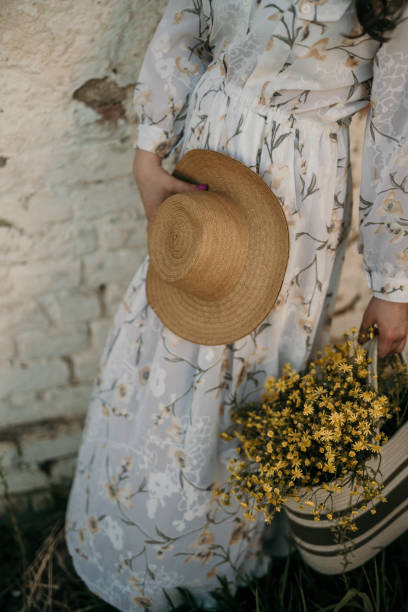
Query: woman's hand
(392, 323)
(154, 183)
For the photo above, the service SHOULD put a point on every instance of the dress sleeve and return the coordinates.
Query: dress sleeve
(383, 238)
(176, 57)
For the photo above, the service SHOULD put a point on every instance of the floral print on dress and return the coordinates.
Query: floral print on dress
(274, 85)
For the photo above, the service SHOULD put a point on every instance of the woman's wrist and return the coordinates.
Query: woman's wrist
(143, 162)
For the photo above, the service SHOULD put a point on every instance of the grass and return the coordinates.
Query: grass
(33, 545)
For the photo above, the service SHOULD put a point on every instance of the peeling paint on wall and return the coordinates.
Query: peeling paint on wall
(103, 96)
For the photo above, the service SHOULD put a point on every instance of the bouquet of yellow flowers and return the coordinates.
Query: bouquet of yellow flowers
(315, 445)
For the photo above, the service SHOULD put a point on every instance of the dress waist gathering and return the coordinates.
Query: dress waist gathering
(289, 144)
(322, 108)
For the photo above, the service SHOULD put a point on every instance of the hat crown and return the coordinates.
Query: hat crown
(198, 243)
(197, 248)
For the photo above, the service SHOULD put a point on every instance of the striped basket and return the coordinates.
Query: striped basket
(315, 539)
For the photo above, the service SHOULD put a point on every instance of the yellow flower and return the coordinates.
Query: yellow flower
(308, 408)
(281, 385)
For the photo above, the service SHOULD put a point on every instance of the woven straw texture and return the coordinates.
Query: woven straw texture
(217, 258)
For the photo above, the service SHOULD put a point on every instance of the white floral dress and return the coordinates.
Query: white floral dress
(272, 84)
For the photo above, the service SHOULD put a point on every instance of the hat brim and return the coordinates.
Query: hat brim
(229, 318)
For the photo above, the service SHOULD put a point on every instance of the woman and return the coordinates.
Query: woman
(274, 85)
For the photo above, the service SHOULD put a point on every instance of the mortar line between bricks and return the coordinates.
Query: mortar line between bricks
(6, 435)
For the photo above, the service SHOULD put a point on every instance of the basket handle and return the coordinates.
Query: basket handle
(371, 347)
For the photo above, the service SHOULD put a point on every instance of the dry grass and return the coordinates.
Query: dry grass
(42, 577)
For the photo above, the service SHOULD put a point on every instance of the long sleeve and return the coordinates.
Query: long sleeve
(174, 61)
(384, 182)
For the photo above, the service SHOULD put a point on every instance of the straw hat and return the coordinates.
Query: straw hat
(217, 258)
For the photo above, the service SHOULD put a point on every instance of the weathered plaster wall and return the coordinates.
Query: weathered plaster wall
(72, 229)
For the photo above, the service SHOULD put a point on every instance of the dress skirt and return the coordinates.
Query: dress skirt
(141, 516)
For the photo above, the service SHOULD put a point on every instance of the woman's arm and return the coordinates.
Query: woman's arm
(174, 61)
(384, 194)
(154, 183)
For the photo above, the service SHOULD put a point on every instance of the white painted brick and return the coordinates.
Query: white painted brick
(35, 278)
(14, 244)
(59, 241)
(6, 412)
(67, 169)
(25, 480)
(26, 500)
(7, 348)
(6, 285)
(86, 241)
(50, 442)
(122, 230)
(86, 365)
(19, 398)
(138, 238)
(106, 160)
(99, 332)
(54, 343)
(3, 273)
(35, 375)
(34, 210)
(8, 454)
(71, 402)
(103, 198)
(64, 469)
(102, 267)
(113, 296)
(23, 315)
(112, 233)
(70, 306)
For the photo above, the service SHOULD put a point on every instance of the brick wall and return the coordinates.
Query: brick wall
(72, 229)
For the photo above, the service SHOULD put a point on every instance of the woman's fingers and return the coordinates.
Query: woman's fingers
(367, 322)
(179, 186)
(391, 319)
(401, 345)
(155, 184)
